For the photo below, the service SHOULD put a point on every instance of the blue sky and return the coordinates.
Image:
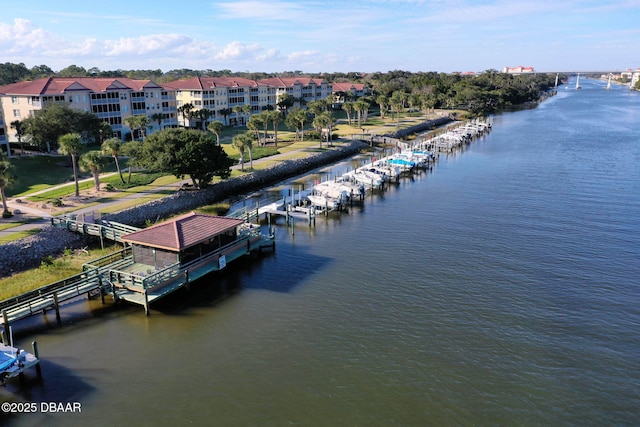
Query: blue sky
(329, 35)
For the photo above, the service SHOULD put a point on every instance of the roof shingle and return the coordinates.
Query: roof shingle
(182, 232)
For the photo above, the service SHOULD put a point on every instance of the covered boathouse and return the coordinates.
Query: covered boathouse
(167, 256)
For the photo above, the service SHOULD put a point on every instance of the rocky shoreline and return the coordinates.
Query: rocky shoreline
(28, 252)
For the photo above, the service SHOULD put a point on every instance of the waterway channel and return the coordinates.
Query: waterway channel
(500, 288)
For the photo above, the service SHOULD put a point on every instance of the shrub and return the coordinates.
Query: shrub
(7, 214)
(56, 202)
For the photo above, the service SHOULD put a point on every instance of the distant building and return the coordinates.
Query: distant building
(341, 91)
(111, 99)
(517, 70)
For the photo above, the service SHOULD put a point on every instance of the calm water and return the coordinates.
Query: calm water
(502, 288)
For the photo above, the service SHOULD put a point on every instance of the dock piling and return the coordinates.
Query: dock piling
(34, 344)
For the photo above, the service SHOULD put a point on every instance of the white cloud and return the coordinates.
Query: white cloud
(23, 37)
(148, 44)
(270, 55)
(236, 50)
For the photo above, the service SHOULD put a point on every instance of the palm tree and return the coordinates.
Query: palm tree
(297, 118)
(158, 117)
(185, 110)
(205, 114)
(6, 180)
(216, 127)
(71, 144)
(93, 161)
(246, 109)
(133, 123)
(133, 150)
(239, 141)
(112, 147)
(225, 112)
(382, 101)
(361, 107)
(249, 144)
(143, 124)
(276, 118)
(17, 125)
(324, 121)
(348, 107)
(254, 124)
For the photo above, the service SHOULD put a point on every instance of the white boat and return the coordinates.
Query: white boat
(401, 161)
(353, 189)
(323, 201)
(364, 177)
(391, 171)
(334, 189)
(578, 82)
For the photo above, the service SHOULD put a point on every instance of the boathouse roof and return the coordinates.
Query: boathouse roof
(182, 232)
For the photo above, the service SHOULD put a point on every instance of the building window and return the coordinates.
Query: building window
(16, 113)
(14, 100)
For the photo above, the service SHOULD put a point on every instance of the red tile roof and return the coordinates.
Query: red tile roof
(59, 85)
(182, 232)
(347, 87)
(207, 83)
(290, 81)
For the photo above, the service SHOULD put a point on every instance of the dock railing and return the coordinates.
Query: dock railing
(103, 229)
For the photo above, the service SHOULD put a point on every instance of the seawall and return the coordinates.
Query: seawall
(27, 253)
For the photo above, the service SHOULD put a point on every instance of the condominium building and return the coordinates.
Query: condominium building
(221, 98)
(224, 97)
(111, 99)
(342, 91)
(192, 102)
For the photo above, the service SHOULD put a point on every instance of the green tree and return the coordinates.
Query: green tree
(73, 71)
(94, 162)
(17, 125)
(46, 126)
(349, 108)
(397, 101)
(225, 112)
(275, 117)
(137, 123)
(183, 152)
(285, 101)
(158, 117)
(361, 107)
(7, 179)
(112, 147)
(254, 124)
(383, 103)
(185, 110)
(324, 123)
(296, 119)
(134, 152)
(216, 127)
(71, 144)
(242, 142)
